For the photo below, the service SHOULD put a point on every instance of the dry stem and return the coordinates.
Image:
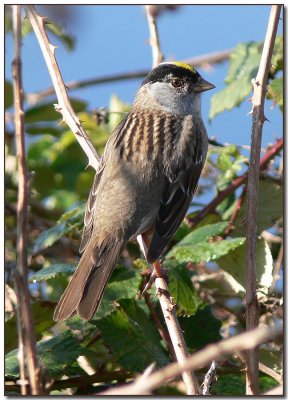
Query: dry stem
(252, 307)
(26, 334)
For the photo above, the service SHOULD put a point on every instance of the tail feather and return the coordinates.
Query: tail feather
(96, 283)
(86, 288)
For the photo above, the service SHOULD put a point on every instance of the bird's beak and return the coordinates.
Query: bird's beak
(202, 85)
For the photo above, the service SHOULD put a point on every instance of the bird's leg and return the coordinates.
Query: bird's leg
(156, 267)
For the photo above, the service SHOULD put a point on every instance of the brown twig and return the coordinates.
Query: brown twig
(64, 105)
(198, 61)
(235, 344)
(258, 99)
(27, 340)
(275, 149)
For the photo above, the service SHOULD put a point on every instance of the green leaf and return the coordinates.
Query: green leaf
(269, 211)
(124, 284)
(8, 94)
(183, 291)
(56, 355)
(244, 62)
(195, 247)
(229, 385)
(118, 110)
(68, 222)
(276, 91)
(49, 237)
(200, 329)
(46, 112)
(234, 264)
(205, 251)
(59, 32)
(42, 318)
(133, 338)
(51, 271)
(40, 129)
(203, 234)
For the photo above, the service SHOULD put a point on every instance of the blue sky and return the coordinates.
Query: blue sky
(112, 39)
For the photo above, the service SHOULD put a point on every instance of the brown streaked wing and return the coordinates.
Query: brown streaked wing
(173, 210)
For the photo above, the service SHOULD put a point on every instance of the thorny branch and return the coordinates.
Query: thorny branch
(64, 106)
(239, 343)
(258, 99)
(26, 334)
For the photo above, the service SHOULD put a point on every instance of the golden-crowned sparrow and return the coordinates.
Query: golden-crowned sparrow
(146, 180)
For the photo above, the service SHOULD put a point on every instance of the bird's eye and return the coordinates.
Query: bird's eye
(176, 83)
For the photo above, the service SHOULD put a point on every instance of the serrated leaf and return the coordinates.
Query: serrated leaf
(51, 271)
(124, 284)
(67, 222)
(234, 264)
(206, 251)
(133, 338)
(200, 329)
(270, 208)
(56, 355)
(48, 237)
(203, 234)
(183, 291)
(276, 91)
(244, 62)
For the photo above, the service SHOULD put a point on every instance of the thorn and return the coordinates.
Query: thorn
(250, 112)
(61, 122)
(53, 48)
(266, 119)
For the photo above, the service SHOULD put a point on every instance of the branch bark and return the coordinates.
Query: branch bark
(258, 99)
(157, 55)
(64, 106)
(26, 334)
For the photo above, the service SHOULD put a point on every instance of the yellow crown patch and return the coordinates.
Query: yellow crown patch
(183, 65)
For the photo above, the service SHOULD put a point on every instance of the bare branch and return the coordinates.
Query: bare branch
(235, 344)
(64, 106)
(258, 99)
(198, 61)
(157, 55)
(26, 334)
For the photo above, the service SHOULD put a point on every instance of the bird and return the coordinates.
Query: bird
(145, 182)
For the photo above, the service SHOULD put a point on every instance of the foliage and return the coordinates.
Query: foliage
(124, 336)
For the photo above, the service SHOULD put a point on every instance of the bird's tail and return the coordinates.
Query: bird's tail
(86, 288)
